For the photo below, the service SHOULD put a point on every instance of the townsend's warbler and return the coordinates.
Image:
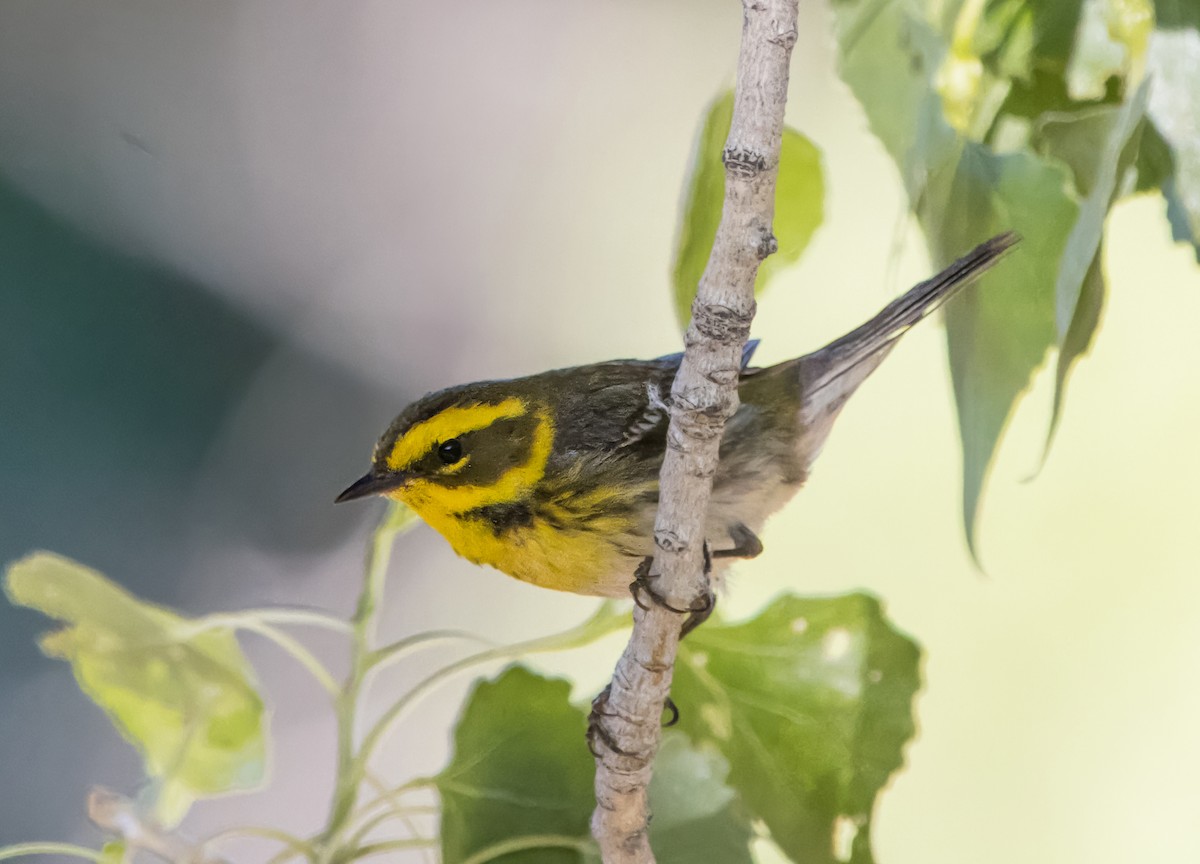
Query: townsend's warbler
(553, 478)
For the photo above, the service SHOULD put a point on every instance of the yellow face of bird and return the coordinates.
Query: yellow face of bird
(450, 453)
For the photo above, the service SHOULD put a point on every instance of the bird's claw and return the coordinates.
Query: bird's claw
(698, 612)
(598, 734)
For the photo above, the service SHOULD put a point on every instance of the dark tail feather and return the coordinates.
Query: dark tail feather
(829, 377)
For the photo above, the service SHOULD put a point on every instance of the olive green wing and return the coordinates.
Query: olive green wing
(609, 406)
(649, 426)
(617, 406)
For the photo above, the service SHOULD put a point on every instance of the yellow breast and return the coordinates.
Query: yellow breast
(579, 560)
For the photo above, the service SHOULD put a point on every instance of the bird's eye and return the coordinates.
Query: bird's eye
(450, 451)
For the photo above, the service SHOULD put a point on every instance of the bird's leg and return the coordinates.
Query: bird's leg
(697, 614)
(745, 543)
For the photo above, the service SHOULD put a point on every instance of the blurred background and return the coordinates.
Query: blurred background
(237, 237)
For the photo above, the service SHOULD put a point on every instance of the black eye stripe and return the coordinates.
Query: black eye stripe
(480, 456)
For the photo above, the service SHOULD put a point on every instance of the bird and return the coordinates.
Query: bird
(553, 478)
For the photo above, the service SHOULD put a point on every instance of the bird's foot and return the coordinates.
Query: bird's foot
(697, 613)
(597, 732)
(745, 543)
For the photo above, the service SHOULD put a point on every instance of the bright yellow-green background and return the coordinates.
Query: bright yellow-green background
(407, 195)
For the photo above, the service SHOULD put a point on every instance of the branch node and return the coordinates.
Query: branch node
(785, 38)
(670, 542)
(721, 323)
(767, 245)
(743, 162)
(722, 378)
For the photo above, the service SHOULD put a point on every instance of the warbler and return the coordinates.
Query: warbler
(553, 478)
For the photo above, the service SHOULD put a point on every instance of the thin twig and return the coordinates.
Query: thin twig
(385, 846)
(27, 850)
(703, 397)
(115, 814)
(605, 620)
(524, 844)
(350, 767)
(290, 842)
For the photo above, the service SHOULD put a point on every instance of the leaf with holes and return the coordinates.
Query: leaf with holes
(811, 704)
(697, 815)
(184, 696)
(521, 771)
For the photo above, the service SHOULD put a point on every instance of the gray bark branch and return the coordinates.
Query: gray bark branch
(703, 397)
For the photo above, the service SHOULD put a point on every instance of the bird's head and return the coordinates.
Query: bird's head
(460, 449)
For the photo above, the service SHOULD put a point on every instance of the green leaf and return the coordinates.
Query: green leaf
(998, 333)
(889, 55)
(1017, 37)
(1089, 142)
(520, 767)
(799, 204)
(1049, 293)
(1172, 61)
(811, 704)
(1078, 338)
(183, 695)
(1101, 148)
(1155, 163)
(1177, 14)
(697, 817)
(1005, 38)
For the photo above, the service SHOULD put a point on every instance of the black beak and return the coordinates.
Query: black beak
(369, 484)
